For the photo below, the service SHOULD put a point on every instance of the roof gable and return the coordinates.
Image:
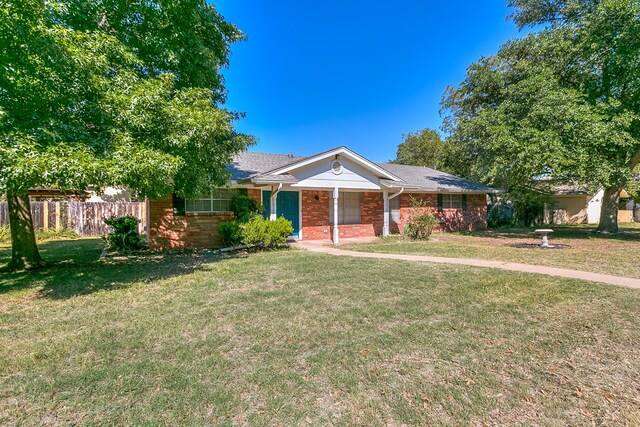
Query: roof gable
(340, 151)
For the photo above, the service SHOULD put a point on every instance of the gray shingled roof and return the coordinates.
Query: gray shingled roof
(431, 179)
(249, 165)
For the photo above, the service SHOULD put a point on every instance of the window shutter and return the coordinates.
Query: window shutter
(464, 202)
(179, 208)
(439, 202)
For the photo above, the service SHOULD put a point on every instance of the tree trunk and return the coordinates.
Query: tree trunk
(24, 251)
(609, 211)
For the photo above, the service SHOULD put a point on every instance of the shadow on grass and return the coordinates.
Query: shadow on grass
(631, 234)
(75, 269)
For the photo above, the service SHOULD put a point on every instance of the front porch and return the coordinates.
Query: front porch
(335, 215)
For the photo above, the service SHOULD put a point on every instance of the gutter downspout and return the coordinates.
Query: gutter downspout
(387, 212)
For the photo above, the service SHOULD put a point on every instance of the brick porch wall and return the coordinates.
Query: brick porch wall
(315, 215)
(168, 231)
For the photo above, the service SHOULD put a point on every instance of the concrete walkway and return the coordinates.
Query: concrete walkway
(512, 266)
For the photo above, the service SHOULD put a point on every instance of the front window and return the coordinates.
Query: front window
(219, 201)
(348, 209)
(452, 201)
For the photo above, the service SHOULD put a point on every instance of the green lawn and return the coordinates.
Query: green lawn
(295, 338)
(583, 249)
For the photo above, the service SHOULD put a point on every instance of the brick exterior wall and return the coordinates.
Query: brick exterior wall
(372, 212)
(474, 218)
(255, 194)
(193, 230)
(315, 215)
(200, 230)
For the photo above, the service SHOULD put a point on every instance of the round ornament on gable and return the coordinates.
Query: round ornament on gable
(336, 167)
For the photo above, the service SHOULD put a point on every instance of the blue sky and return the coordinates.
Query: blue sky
(317, 75)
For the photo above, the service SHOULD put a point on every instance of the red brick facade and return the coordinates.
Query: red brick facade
(192, 230)
(473, 218)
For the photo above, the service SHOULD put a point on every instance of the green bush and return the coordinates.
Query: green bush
(124, 237)
(244, 207)
(528, 207)
(231, 233)
(266, 234)
(421, 226)
(420, 221)
(500, 214)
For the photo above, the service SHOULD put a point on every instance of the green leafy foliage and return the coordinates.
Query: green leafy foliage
(244, 207)
(124, 237)
(426, 148)
(231, 233)
(500, 214)
(420, 222)
(114, 92)
(264, 233)
(562, 102)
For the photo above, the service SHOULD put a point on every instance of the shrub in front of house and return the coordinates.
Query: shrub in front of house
(244, 207)
(264, 233)
(420, 222)
(124, 237)
(500, 214)
(421, 226)
(231, 233)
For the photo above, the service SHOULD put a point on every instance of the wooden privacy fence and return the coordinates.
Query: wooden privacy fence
(85, 218)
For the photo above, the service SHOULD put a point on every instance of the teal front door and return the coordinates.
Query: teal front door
(288, 205)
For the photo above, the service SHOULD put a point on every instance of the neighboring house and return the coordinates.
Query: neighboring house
(110, 194)
(328, 196)
(42, 194)
(573, 205)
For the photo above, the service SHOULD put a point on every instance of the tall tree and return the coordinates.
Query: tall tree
(425, 148)
(561, 102)
(111, 92)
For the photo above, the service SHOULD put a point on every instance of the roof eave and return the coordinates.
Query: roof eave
(400, 185)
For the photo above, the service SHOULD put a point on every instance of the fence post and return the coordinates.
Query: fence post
(57, 216)
(45, 216)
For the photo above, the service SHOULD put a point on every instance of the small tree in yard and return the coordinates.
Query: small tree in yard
(101, 92)
(420, 222)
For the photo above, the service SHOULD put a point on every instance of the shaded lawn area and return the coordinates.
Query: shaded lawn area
(585, 250)
(295, 338)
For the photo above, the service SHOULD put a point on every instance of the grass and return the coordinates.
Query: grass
(582, 248)
(41, 235)
(295, 338)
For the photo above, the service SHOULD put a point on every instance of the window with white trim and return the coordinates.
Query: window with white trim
(452, 201)
(348, 208)
(219, 201)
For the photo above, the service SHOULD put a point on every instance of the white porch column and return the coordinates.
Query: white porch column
(336, 231)
(273, 203)
(385, 227)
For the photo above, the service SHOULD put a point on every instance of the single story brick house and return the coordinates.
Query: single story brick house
(327, 196)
